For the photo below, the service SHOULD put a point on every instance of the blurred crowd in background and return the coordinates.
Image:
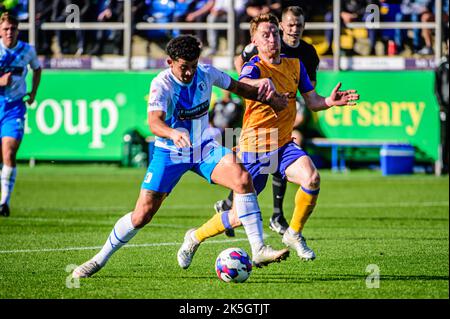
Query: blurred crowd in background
(91, 42)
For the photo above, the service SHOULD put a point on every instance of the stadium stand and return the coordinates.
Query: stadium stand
(355, 40)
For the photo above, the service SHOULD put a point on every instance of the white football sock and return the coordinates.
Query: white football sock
(249, 214)
(122, 232)
(8, 179)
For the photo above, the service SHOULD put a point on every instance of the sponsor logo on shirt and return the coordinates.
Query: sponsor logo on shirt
(193, 113)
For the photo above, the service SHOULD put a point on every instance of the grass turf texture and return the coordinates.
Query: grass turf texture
(62, 214)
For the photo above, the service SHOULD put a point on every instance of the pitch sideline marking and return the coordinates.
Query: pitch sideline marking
(126, 246)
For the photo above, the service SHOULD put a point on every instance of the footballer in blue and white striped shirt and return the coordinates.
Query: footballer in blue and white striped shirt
(15, 56)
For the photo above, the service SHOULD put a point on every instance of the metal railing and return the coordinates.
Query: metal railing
(229, 26)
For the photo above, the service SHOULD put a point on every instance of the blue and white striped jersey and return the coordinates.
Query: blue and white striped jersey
(186, 105)
(16, 61)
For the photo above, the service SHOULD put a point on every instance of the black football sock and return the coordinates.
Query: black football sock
(279, 190)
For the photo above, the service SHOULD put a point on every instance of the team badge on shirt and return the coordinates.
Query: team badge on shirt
(202, 86)
(246, 70)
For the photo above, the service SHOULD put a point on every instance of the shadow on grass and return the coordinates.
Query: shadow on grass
(283, 278)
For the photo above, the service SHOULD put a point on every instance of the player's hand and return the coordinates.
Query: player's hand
(190, 17)
(104, 15)
(266, 86)
(342, 98)
(31, 97)
(180, 139)
(6, 79)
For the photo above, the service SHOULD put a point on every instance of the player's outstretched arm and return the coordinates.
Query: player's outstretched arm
(263, 91)
(159, 127)
(316, 102)
(35, 85)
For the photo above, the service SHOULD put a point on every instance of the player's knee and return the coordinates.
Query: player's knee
(140, 218)
(243, 183)
(9, 157)
(313, 180)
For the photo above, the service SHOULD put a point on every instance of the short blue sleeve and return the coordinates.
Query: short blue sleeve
(250, 70)
(304, 85)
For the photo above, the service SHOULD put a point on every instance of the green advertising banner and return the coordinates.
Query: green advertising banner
(83, 115)
(397, 106)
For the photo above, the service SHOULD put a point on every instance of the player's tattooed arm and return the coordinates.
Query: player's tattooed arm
(262, 91)
(159, 127)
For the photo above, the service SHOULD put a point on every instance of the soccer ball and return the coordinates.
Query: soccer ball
(233, 265)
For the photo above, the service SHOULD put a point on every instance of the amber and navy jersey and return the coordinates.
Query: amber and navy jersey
(186, 105)
(263, 129)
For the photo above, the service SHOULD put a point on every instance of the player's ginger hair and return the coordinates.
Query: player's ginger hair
(6, 16)
(265, 17)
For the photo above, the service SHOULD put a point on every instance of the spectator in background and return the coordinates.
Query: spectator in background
(103, 13)
(60, 11)
(219, 13)
(43, 15)
(201, 10)
(389, 11)
(7, 5)
(351, 11)
(257, 7)
(182, 8)
(415, 11)
(254, 9)
(193, 11)
(138, 8)
(21, 10)
(118, 13)
(157, 11)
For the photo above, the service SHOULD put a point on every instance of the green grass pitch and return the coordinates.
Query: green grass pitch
(62, 214)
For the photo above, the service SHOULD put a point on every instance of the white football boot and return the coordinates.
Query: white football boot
(267, 255)
(87, 269)
(188, 249)
(298, 242)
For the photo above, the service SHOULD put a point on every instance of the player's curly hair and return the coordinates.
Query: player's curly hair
(265, 17)
(186, 47)
(6, 16)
